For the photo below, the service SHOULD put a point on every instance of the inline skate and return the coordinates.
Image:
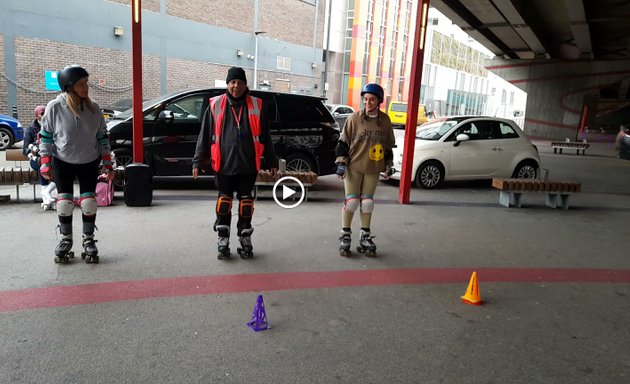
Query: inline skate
(344, 246)
(366, 245)
(63, 252)
(223, 244)
(90, 252)
(246, 248)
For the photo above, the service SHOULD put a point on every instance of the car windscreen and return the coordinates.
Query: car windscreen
(435, 131)
(121, 105)
(145, 105)
(398, 107)
(295, 108)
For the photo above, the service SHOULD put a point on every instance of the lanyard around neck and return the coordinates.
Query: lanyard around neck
(237, 118)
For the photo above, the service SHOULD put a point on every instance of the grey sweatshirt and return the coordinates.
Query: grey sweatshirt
(75, 139)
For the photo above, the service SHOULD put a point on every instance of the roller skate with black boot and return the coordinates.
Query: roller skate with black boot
(223, 244)
(63, 252)
(245, 239)
(366, 245)
(346, 240)
(90, 252)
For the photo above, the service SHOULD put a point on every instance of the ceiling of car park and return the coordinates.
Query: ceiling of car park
(552, 29)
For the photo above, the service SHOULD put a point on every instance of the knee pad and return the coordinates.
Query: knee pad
(65, 205)
(246, 207)
(367, 204)
(88, 206)
(351, 203)
(224, 205)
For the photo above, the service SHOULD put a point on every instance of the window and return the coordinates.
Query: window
(284, 63)
(294, 109)
(507, 132)
(187, 109)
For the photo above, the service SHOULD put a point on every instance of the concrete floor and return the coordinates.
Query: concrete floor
(160, 308)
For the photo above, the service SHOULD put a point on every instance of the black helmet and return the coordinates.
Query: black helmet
(70, 75)
(374, 89)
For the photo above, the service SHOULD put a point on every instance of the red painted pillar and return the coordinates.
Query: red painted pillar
(417, 64)
(136, 70)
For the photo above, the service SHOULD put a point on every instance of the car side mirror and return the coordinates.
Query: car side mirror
(459, 138)
(166, 116)
(336, 114)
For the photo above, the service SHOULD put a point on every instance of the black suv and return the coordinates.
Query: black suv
(304, 133)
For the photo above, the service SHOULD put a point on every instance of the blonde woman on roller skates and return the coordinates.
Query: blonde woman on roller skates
(363, 152)
(74, 144)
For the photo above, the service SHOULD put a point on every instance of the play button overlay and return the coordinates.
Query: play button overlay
(289, 188)
(287, 192)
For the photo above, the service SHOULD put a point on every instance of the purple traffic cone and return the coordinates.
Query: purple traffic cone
(258, 321)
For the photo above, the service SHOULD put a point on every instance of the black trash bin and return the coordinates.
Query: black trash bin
(138, 185)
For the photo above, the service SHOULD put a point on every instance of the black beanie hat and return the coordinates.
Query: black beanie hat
(236, 73)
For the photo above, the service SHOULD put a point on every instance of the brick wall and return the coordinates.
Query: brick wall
(287, 20)
(149, 5)
(4, 108)
(291, 21)
(234, 14)
(182, 74)
(110, 69)
(110, 72)
(286, 82)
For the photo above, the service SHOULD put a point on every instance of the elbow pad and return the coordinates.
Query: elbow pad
(342, 149)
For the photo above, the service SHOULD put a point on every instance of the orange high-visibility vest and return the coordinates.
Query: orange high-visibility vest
(217, 109)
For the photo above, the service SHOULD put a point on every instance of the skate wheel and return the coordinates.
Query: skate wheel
(360, 250)
(223, 256)
(344, 253)
(61, 260)
(371, 253)
(91, 259)
(71, 254)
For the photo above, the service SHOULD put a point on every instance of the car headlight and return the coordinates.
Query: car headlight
(19, 125)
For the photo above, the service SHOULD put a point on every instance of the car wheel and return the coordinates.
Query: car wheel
(525, 170)
(299, 162)
(430, 175)
(6, 139)
(124, 157)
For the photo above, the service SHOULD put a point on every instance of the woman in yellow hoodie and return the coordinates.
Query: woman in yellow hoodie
(364, 151)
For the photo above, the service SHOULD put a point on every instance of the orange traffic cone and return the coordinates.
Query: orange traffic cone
(472, 295)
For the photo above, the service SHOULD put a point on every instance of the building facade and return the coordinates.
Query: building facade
(371, 41)
(185, 44)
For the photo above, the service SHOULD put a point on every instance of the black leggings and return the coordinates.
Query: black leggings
(243, 185)
(64, 174)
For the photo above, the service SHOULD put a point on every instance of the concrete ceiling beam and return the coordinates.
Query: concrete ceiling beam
(579, 27)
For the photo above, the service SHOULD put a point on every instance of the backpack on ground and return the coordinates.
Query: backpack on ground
(104, 191)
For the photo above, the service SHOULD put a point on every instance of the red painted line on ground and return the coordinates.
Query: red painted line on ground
(63, 296)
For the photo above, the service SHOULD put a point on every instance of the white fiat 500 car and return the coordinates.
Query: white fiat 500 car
(468, 148)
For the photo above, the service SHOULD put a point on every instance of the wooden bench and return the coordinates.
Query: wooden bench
(558, 146)
(264, 179)
(557, 191)
(18, 176)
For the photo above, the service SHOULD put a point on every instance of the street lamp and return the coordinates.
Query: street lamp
(256, 58)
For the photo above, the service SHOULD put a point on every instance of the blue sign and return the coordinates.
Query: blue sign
(51, 81)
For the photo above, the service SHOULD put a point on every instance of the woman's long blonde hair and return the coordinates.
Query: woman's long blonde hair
(76, 103)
